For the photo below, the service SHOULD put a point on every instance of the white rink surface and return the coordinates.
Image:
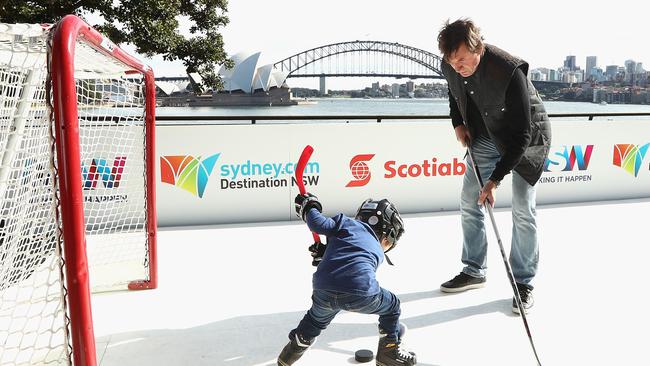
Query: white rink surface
(229, 295)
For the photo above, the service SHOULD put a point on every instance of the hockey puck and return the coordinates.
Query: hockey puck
(363, 355)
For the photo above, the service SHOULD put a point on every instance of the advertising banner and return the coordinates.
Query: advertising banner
(216, 174)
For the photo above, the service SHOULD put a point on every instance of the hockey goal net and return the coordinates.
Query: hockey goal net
(77, 199)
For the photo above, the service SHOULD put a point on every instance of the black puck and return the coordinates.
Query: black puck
(363, 355)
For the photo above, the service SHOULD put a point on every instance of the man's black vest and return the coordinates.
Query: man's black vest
(496, 70)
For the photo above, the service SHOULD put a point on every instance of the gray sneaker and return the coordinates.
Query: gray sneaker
(462, 282)
(527, 301)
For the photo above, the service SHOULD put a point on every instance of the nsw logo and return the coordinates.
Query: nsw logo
(360, 170)
(630, 157)
(99, 170)
(565, 158)
(187, 172)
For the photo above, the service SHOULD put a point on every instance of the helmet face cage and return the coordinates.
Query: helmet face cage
(383, 218)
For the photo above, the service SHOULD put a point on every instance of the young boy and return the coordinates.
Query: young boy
(345, 277)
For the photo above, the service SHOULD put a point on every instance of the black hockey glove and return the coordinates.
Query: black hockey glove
(317, 252)
(306, 202)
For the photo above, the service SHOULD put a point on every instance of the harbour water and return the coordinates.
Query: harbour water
(356, 106)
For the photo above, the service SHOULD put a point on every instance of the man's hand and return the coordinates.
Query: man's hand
(488, 192)
(462, 135)
(305, 202)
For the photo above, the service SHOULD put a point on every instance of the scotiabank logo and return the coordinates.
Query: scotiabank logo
(99, 170)
(360, 170)
(427, 168)
(565, 158)
(630, 157)
(394, 169)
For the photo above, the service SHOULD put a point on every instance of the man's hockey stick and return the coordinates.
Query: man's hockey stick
(511, 277)
(300, 169)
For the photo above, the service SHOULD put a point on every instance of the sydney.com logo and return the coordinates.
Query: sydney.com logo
(187, 172)
(630, 157)
(192, 174)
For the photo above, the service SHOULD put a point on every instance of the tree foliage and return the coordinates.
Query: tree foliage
(152, 26)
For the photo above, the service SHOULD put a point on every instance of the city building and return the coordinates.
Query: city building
(591, 64)
(570, 63)
(395, 90)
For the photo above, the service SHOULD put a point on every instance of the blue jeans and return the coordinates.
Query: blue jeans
(326, 304)
(524, 252)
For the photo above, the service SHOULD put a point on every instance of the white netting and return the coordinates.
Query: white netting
(112, 138)
(32, 317)
(33, 321)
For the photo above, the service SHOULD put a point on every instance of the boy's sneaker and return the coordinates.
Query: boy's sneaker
(462, 282)
(390, 353)
(527, 301)
(294, 349)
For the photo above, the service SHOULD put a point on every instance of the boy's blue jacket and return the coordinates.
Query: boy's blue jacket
(352, 256)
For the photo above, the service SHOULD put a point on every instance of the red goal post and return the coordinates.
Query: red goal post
(77, 186)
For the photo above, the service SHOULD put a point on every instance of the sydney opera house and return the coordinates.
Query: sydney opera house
(246, 83)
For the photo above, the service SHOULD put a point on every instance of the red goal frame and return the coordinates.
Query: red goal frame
(67, 32)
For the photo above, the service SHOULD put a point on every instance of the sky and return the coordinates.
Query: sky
(542, 33)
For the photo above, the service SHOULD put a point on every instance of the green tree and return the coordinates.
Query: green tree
(152, 26)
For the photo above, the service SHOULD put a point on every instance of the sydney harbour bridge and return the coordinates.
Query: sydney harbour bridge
(356, 59)
(362, 59)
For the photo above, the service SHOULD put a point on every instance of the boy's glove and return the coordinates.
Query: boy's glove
(305, 202)
(317, 252)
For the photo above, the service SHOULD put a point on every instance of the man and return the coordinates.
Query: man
(495, 110)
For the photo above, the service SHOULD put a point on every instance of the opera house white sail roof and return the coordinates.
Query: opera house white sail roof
(248, 75)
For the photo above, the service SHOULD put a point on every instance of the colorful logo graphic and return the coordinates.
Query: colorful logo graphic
(565, 158)
(110, 176)
(630, 157)
(360, 170)
(187, 172)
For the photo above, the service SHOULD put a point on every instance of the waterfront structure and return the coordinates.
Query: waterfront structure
(248, 76)
(247, 83)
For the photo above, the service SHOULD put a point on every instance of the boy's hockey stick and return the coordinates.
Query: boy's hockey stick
(511, 277)
(300, 169)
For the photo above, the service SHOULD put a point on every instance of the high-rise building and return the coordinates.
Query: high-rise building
(570, 63)
(591, 64)
(639, 68)
(537, 75)
(630, 69)
(611, 71)
(395, 90)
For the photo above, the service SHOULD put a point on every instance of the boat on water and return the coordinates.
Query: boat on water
(305, 101)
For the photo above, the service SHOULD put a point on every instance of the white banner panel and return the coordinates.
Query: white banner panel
(213, 174)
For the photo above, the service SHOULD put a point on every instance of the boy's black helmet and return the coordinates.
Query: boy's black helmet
(383, 218)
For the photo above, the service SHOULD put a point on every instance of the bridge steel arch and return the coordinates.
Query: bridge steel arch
(427, 60)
